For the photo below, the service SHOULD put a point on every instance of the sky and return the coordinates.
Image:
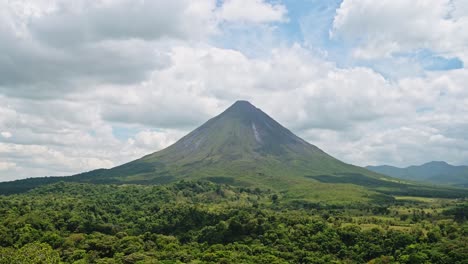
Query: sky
(89, 84)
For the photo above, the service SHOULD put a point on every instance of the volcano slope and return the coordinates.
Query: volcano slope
(243, 146)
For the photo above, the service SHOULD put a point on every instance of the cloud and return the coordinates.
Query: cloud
(385, 28)
(155, 139)
(6, 134)
(67, 137)
(255, 11)
(7, 165)
(206, 80)
(59, 47)
(427, 125)
(64, 46)
(37, 160)
(69, 25)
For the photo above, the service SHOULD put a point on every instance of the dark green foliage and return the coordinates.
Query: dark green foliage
(20, 186)
(460, 213)
(203, 222)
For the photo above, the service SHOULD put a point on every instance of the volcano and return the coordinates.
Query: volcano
(245, 147)
(239, 145)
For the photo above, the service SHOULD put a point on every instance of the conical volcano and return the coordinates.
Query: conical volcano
(242, 132)
(243, 146)
(241, 141)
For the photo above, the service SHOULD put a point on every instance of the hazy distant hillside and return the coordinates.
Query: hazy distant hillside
(437, 172)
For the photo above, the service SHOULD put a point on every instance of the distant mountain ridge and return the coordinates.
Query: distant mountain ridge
(245, 147)
(437, 172)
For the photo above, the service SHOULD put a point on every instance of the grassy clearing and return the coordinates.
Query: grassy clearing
(423, 199)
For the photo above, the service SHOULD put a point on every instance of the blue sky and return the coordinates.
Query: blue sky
(91, 84)
(310, 24)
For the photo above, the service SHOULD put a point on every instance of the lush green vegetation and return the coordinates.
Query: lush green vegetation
(203, 222)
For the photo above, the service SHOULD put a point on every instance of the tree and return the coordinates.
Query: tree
(33, 253)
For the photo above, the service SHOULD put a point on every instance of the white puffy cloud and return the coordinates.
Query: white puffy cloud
(51, 48)
(205, 80)
(6, 165)
(383, 28)
(68, 137)
(256, 11)
(155, 139)
(70, 24)
(36, 64)
(428, 122)
(6, 134)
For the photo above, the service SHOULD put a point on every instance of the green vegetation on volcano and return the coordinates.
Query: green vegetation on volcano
(245, 147)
